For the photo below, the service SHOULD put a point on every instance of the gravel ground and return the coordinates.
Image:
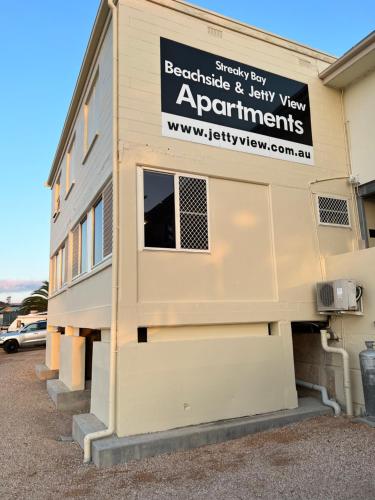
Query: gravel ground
(323, 458)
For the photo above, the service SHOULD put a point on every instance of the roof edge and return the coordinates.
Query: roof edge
(180, 6)
(347, 56)
(230, 23)
(95, 35)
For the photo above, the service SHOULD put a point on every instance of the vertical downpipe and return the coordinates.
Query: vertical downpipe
(115, 253)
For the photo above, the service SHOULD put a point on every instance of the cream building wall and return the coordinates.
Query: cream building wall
(359, 102)
(85, 300)
(312, 363)
(315, 365)
(267, 251)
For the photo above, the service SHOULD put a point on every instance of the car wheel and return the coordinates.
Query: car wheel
(11, 346)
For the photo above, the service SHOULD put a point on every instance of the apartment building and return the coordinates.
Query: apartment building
(199, 189)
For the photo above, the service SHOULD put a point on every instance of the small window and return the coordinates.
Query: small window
(333, 211)
(91, 113)
(107, 219)
(56, 196)
(175, 211)
(75, 252)
(52, 274)
(70, 166)
(83, 246)
(58, 270)
(98, 233)
(62, 265)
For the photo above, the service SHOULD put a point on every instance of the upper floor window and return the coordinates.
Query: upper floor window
(70, 166)
(58, 277)
(175, 211)
(92, 237)
(91, 113)
(83, 246)
(98, 232)
(56, 196)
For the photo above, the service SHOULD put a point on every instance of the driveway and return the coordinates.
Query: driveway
(323, 458)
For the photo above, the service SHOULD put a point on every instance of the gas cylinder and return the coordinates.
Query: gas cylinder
(367, 362)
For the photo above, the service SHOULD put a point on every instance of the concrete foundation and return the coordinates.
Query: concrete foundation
(44, 373)
(365, 420)
(113, 450)
(66, 400)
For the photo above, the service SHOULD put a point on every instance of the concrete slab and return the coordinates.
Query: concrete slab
(113, 450)
(370, 421)
(44, 373)
(66, 400)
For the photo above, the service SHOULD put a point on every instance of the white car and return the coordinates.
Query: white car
(33, 334)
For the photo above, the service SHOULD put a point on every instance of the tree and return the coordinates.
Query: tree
(38, 300)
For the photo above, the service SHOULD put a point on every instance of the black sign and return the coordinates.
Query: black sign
(212, 100)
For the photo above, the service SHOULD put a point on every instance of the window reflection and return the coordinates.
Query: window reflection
(159, 210)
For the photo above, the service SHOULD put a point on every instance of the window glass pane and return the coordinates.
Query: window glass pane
(159, 210)
(63, 265)
(84, 246)
(98, 232)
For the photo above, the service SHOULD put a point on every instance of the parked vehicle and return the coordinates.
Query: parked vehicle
(33, 334)
(23, 320)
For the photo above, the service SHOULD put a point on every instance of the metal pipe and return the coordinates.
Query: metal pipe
(324, 335)
(323, 391)
(115, 254)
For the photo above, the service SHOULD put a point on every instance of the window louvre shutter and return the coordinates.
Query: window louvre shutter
(52, 275)
(75, 253)
(107, 219)
(67, 248)
(193, 213)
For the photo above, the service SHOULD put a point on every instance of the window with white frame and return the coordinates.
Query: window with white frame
(333, 210)
(91, 114)
(91, 240)
(70, 167)
(75, 251)
(175, 211)
(58, 269)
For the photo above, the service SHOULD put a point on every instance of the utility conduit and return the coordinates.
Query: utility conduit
(115, 254)
(323, 391)
(324, 335)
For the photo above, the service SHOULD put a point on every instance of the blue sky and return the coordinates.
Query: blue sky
(42, 48)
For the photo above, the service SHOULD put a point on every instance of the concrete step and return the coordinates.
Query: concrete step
(67, 400)
(44, 373)
(114, 450)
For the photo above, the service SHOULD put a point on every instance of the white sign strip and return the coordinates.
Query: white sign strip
(188, 129)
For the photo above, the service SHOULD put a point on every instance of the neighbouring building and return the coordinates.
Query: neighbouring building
(8, 313)
(202, 186)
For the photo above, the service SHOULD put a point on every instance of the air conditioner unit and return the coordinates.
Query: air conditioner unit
(337, 295)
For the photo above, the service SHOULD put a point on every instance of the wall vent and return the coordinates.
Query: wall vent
(333, 211)
(215, 32)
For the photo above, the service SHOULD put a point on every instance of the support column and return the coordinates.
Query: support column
(53, 350)
(284, 329)
(100, 377)
(50, 369)
(69, 393)
(72, 362)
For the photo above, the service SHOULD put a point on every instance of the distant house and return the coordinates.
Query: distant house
(8, 313)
